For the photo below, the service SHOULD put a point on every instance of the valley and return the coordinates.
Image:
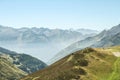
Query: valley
(93, 58)
(59, 39)
(40, 42)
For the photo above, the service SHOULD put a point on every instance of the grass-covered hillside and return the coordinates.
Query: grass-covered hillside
(8, 71)
(24, 62)
(86, 64)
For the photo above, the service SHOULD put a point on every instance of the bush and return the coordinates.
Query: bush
(82, 62)
(82, 71)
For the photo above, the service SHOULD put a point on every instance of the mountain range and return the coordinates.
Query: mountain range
(44, 40)
(88, 58)
(41, 35)
(106, 38)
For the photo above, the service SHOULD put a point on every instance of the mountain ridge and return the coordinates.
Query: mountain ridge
(41, 34)
(99, 40)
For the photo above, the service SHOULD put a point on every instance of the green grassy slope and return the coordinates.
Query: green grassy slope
(24, 62)
(87, 64)
(116, 71)
(8, 71)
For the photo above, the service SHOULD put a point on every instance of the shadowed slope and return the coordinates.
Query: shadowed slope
(8, 71)
(24, 62)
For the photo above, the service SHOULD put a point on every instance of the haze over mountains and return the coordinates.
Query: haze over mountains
(40, 42)
(106, 38)
(59, 39)
(71, 63)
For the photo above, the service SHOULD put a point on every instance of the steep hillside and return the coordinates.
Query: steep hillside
(86, 64)
(104, 39)
(24, 62)
(8, 71)
(108, 41)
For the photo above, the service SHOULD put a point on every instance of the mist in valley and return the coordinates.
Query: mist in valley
(42, 51)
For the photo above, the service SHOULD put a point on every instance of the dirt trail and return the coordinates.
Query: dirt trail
(117, 54)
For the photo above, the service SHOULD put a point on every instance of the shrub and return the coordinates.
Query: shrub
(81, 62)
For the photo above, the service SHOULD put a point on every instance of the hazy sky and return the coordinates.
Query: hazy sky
(92, 14)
